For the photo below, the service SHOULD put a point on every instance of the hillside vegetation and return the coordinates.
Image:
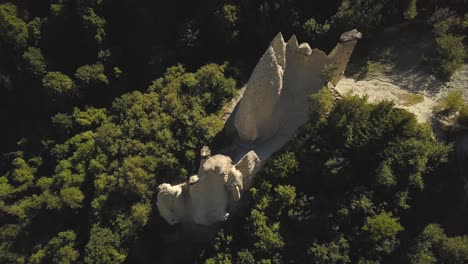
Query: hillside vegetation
(101, 101)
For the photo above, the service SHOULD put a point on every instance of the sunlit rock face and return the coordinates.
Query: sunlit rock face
(262, 100)
(205, 197)
(276, 95)
(171, 202)
(274, 105)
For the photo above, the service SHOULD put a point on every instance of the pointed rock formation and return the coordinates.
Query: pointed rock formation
(253, 121)
(279, 47)
(340, 55)
(277, 92)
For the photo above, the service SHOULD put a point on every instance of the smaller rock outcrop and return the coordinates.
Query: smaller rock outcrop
(171, 203)
(205, 198)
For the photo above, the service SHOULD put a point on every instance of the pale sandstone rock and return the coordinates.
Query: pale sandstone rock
(248, 166)
(340, 55)
(304, 49)
(171, 202)
(261, 97)
(279, 47)
(208, 196)
(268, 107)
(209, 193)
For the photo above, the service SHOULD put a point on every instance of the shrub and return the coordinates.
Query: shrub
(463, 117)
(451, 103)
(411, 12)
(450, 55)
(411, 98)
(284, 165)
(327, 73)
(34, 62)
(321, 102)
(370, 69)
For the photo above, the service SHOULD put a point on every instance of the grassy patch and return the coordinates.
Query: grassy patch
(451, 103)
(371, 69)
(410, 99)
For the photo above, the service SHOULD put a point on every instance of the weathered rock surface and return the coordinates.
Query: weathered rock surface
(261, 99)
(275, 101)
(171, 202)
(205, 198)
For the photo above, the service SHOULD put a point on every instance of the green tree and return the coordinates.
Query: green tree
(265, 236)
(382, 230)
(451, 53)
(34, 62)
(283, 165)
(313, 29)
(34, 30)
(90, 118)
(136, 176)
(330, 253)
(72, 197)
(141, 213)
(12, 28)
(227, 22)
(103, 247)
(94, 24)
(434, 246)
(90, 75)
(57, 85)
(60, 249)
(412, 11)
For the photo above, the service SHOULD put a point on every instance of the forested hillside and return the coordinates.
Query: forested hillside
(101, 101)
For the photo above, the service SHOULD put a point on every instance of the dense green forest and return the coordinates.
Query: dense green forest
(101, 101)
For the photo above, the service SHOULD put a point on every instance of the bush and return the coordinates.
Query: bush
(328, 72)
(370, 69)
(449, 31)
(451, 103)
(283, 165)
(463, 117)
(450, 55)
(321, 102)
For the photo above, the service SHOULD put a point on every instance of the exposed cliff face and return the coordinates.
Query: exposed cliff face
(273, 106)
